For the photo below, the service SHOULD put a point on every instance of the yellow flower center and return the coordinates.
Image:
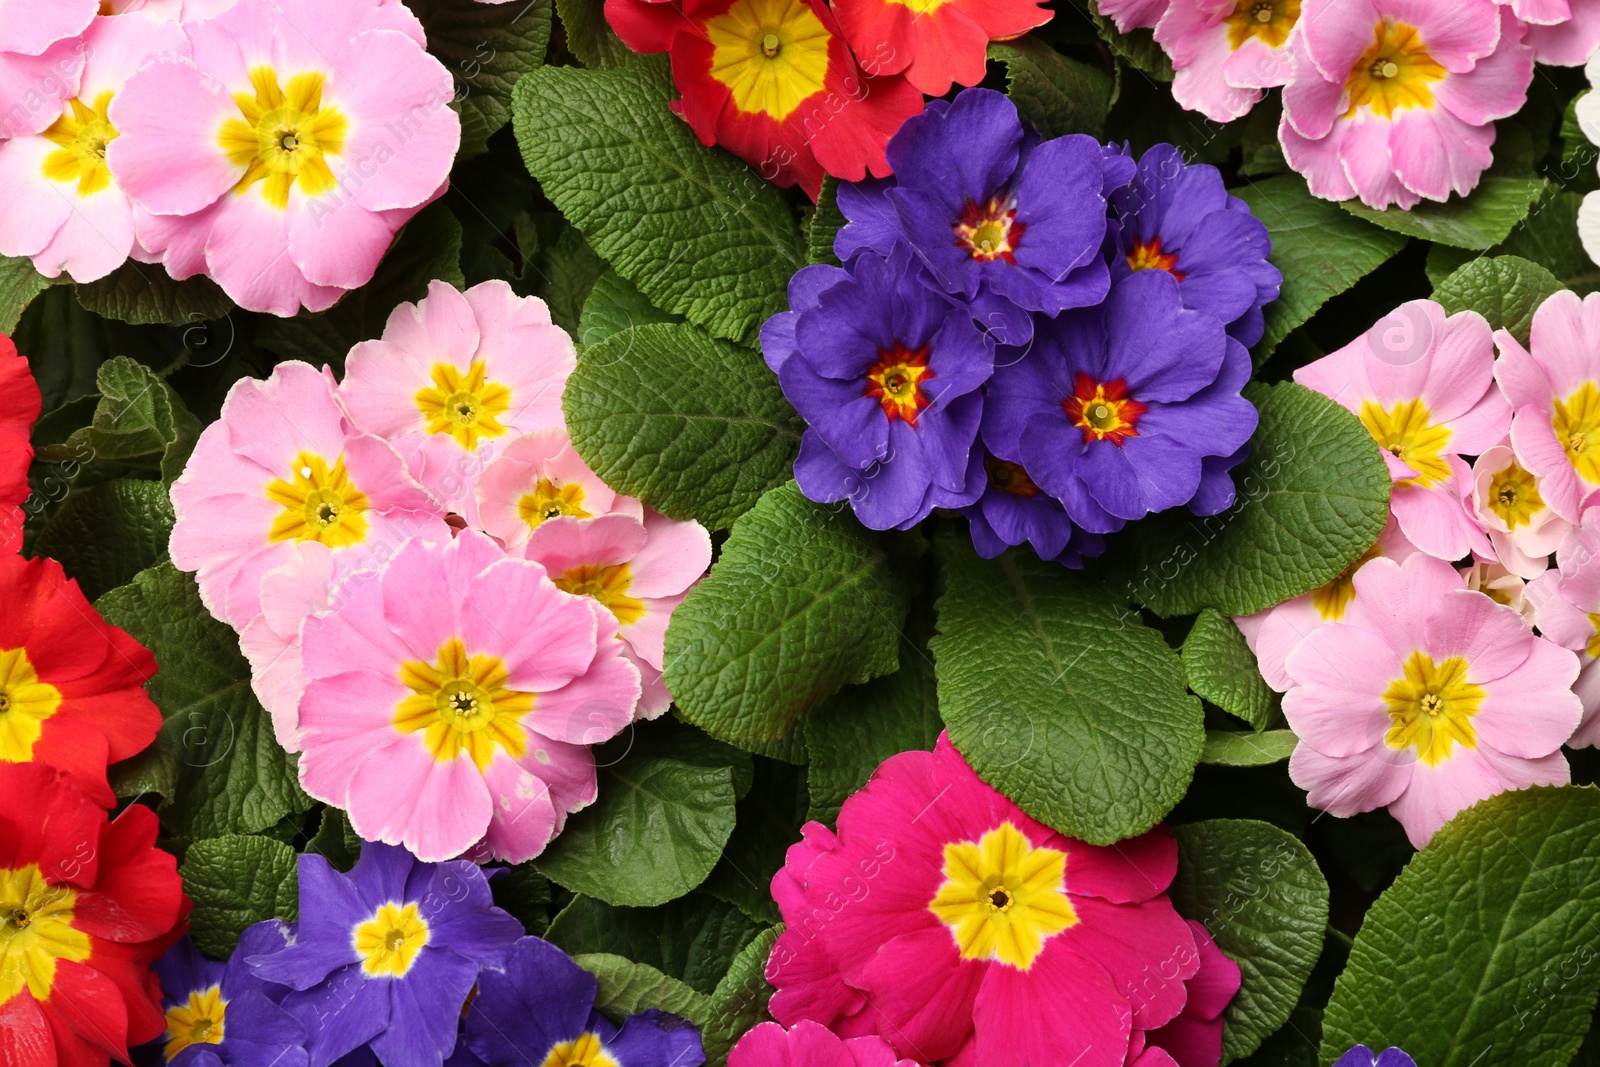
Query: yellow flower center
(82, 132)
(1514, 496)
(608, 585)
(388, 942)
(1393, 73)
(465, 406)
(1431, 707)
(1405, 432)
(1576, 423)
(582, 1051)
(1593, 647)
(771, 54)
(319, 504)
(1268, 20)
(200, 1022)
(462, 704)
(35, 931)
(990, 230)
(1150, 257)
(548, 500)
(25, 703)
(1002, 897)
(895, 382)
(284, 137)
(1330, 600)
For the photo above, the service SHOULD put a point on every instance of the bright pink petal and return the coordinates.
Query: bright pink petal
(525, 816)
(1434, 154)
(1065, 1010)
(1129, 872)
(403, 796)
(1124, 939)
(1349, 785)
(922, 994)
(167, 157)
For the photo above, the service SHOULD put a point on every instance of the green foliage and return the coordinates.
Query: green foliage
(693, 939)
(1058, 95)
(1477, 221)
(1321, 251)
(145, 294)
(19, 284)
(215, 763)
(107, 534)
(588, 35)
(1485, 949)
(700, 233)
(740, 1000)
(1060, 697)
(627, 988)
(1312, 497)
(802, 601)
(1505, 290)
(486, 48)
(768, 822)
(1241, 748)
(237, 882)
(1264, 901)
(824, 224)
(1136, 48)
(1222, 669)
(694, 426)
(138, 422)
(656, 830)
(615, 304)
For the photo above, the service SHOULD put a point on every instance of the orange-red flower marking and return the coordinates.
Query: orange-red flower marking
(1103, 410)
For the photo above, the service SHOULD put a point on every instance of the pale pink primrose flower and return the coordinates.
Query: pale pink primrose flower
(1132, 14)
(1393, 100)
(1422, 384)
(1561, 33)
(1554, 389)
(639, 570)
(1274, 633)
(1505, 500)
(63, 209)
(1225, 52)
(173, 10)
(284, 156)
(539, 477)
(1492, 578)
(1426, 698)
(290, 594)
(278, 470)
(41, 58)
(455, 378)
(1566, 604)
(453, 700)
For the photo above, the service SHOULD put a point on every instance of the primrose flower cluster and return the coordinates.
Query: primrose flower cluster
(275, 146)
(803, 88)
(90, 902)
(443, 607)
(401, 963)
(941, 924)
(997, 342)
(1392, 101)
(1456, 656)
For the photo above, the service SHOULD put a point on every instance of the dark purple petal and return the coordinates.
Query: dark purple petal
(540, 1000)
(381, 873)
(330, 910)
(852, 423)
(1217, 492)
(946, 438)
(183, 970)
(1058, 199)
(820, 473)
(426, 1010)
(1162, 350)
(455, 900)
(654, 1038)
(965, 150)
(871, 223)
(895, 490)
(341, 1014)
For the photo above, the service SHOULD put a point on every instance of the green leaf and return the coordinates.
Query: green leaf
(1312, 497)
(694, 938)
(335, 841)
(1262, 898)
(627, 988)
(693, 426)
(1056, 94)
(1222, 669)
(1321, 251)
(428, 248)
(108, 534)
(860, 726)
(802, 601)
(698, 232)
(1137, 48)
(216, 761)
(1549, 237)
(145, 294)
(1238, 748)
(237, 882)
(655, 832)
(526, 894)
(740, 1000)
(569, 270)
(19, 284)
(138, 422)
(769, 819)
(1060, 697)
(1483, 950)
(486, 48)
(1479, 221)
(1505, 290)
(824, 224)
(589, 36)
(613, 305)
